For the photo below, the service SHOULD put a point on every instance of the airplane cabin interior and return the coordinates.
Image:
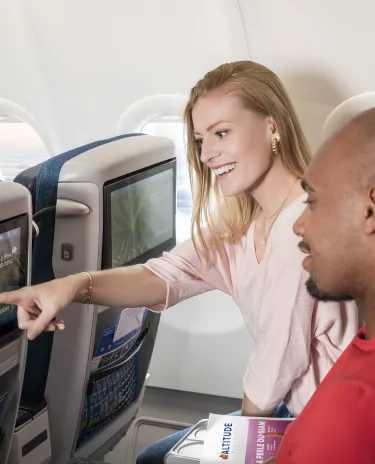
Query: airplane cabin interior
(94, 176)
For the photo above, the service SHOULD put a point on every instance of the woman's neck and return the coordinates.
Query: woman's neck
(275, 187)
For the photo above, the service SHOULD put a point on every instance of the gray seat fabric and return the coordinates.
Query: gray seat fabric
(85, 461)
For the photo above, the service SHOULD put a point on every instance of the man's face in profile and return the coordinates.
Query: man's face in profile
(330, 224)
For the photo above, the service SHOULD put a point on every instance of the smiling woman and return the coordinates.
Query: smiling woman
(239, 114)
(247, 153)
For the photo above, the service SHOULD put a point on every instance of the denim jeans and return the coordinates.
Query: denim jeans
(156, 452)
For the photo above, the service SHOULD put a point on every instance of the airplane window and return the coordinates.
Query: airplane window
(174, 129)
(20, 148)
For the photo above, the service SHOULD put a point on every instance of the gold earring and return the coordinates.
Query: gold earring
(275, 146)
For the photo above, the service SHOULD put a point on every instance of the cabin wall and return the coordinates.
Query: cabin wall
(320, 49)
(76, 66)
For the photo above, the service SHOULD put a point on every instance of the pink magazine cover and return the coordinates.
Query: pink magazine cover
(263, 438)
(242, 440)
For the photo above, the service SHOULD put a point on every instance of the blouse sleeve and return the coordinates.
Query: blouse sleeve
(284, 328)
(187, 275)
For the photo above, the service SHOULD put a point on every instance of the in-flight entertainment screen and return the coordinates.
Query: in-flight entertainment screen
(142, 215)
(13, 266)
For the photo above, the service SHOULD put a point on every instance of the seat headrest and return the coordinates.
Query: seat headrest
(345, 112)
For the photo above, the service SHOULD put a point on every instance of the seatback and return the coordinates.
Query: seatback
(54, 372)
(15, 248)
(42, 181)
(346, 111)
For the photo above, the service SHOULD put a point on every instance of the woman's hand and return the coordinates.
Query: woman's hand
(128, 287)
(39, 304)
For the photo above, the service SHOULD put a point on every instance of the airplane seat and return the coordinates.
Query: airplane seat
(15, 253)
(42, 181)
(77, 190)
(346, 111)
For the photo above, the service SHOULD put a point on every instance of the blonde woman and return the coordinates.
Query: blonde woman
(246, 152)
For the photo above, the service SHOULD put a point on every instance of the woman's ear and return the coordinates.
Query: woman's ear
(272, 125)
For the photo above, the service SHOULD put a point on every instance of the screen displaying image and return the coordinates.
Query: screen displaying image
(12, 272)
(142, 216)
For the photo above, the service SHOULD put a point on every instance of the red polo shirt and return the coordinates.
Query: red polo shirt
(337, 426)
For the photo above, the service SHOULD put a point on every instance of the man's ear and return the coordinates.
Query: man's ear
(370, 212)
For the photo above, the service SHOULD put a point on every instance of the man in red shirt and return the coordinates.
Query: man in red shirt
(338, 235)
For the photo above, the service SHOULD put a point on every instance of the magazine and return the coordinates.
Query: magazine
(242, 440)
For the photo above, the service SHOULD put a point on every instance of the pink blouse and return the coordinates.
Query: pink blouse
(297, 339)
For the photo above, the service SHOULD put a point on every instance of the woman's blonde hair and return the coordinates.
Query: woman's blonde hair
(259, 90)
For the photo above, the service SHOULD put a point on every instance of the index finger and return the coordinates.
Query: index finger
(13, 297)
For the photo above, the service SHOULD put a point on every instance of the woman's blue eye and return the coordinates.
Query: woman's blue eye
(221, 134)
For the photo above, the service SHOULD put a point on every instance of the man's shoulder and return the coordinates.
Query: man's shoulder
(340, 402)
(335, 426)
